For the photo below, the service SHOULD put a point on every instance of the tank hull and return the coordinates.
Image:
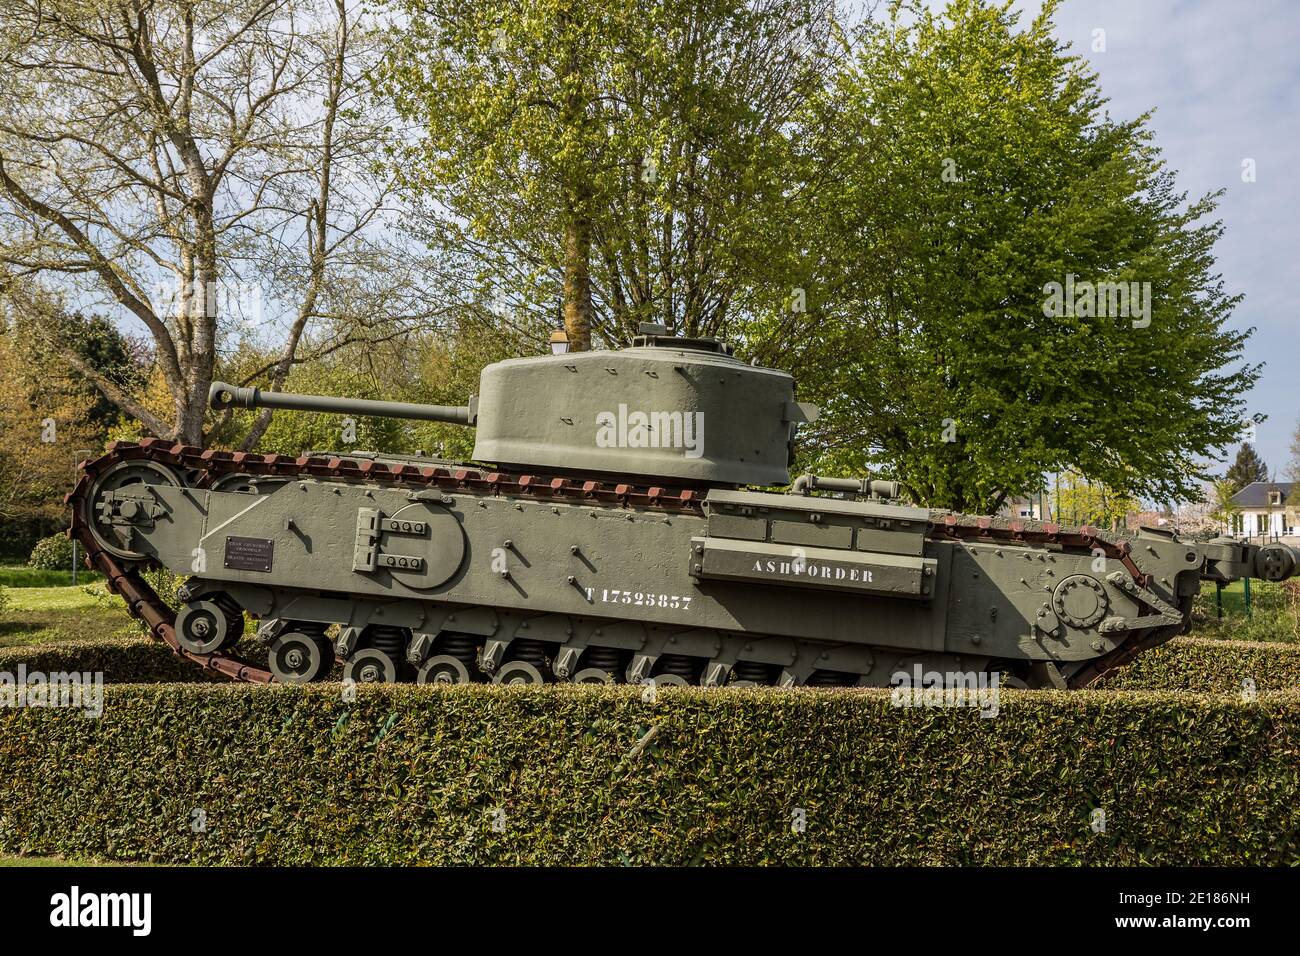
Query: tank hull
(492, 572)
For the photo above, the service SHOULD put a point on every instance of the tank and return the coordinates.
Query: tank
(609, 530)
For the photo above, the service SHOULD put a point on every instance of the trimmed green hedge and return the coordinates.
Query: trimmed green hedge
(580, 775)
(1211, 666)
(123, 660)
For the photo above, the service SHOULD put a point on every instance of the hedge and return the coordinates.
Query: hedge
(596, 775)
(130, 659)
(1211, 666)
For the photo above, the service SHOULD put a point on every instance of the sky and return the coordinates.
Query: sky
(1223, 77)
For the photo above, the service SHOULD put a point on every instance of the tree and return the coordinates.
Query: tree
(1202, 519)
(184, 161)
(1245, 468)
(971, 166)
(1080, 501)
(50, 416)
(1293, 470)
(629, 160)
(61, 347)
(1223, 507)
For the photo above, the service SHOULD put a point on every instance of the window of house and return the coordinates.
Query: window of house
(1275, 498)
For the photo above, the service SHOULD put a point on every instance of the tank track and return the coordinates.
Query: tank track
(206, 466)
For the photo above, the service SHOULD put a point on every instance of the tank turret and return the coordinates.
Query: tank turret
(668, 409)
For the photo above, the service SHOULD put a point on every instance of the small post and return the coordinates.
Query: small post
(76, 460)
(1218, 598)
(1246, 582)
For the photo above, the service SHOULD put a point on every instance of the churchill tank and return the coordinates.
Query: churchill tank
(617, 523)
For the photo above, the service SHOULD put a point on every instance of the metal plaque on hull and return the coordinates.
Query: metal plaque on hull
(249, 554)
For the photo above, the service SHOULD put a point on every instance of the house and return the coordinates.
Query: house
(1020, 508)
(1268, 509)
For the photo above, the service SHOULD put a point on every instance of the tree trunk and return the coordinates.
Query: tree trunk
(577, 282)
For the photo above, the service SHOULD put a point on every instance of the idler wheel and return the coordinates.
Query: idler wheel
(205, 627)
(443, 669)
(297, 658)
(370, 665)
(593, 675)
(518, 672)
(127, 483)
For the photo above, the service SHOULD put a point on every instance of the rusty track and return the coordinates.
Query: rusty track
(207, 465)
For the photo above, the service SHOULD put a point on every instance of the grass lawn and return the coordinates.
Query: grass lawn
(45, 615)
(1274, 613)
(21, 576)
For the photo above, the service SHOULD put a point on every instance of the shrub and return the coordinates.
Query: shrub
(52, 554)
(1207, 665)
(165, 584)
(596, 775)
(137, 660)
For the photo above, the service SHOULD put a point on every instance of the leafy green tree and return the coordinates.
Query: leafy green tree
(1245, 468)
(1222, 507)
(1080, 501)
(447, 373)
(1293, 470)
(58, 346)
(622, 161)
(49, 415)
(971, 165)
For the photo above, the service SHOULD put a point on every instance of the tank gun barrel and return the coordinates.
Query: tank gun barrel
(222, 396)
